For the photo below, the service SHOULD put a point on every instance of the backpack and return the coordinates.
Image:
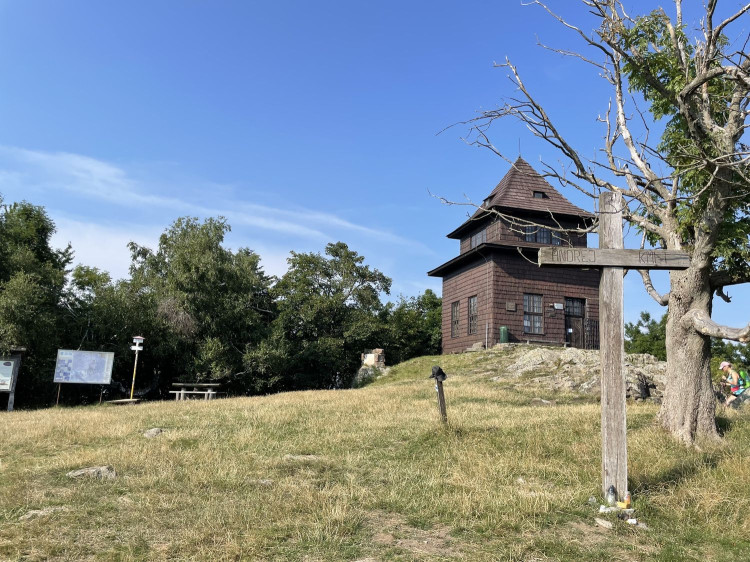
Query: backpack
(743, 379)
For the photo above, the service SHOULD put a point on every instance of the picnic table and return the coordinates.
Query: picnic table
(205, 389)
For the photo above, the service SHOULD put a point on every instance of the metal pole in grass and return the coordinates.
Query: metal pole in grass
(138, 341)
(440, 376)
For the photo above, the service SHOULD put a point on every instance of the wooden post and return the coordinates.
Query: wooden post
(612, 352)
(441, 401)
(59, 386)
(612, 259)
(135, 366)
(440, 376)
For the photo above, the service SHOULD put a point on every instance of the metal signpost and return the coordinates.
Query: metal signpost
(612, 259)
(138, 341)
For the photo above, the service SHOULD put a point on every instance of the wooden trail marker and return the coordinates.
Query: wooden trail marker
(613, 259)
(631, 259)
(440, 376)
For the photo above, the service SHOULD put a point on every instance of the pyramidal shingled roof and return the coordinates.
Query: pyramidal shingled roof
(522, 188)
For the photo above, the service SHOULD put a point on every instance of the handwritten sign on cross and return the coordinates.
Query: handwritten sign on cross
(612, 259)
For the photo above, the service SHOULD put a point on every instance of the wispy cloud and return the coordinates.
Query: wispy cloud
(93, 179)
(102, 246)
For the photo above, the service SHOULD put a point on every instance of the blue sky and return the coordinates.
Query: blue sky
(302, 123)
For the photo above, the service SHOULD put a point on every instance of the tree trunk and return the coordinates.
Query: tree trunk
(689, 404)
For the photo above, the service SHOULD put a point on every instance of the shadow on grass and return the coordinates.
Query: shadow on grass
(679, 472)
(723, 425)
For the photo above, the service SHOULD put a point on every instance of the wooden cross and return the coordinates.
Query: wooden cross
(612, 259)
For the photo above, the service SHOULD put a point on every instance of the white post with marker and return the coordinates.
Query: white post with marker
(138, 341)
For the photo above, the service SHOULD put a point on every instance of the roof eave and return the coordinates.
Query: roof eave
(461, 259)
(587, 217)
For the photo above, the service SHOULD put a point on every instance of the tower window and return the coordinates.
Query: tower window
(479, 238)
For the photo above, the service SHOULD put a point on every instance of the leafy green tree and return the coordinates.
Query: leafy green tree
(207, 304)
(689, 190)
(327, 315)
(104, 316)
(413, 327)
(32, 283)
(737, 354)
(647, 336)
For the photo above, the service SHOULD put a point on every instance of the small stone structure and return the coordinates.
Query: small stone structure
(374, 358)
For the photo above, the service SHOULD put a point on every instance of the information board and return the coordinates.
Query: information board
(7, 367)
(84, 367)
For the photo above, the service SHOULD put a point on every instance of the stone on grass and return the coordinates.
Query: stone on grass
(34, 513)
(153, 432)
(542, 402)
(603, 523)
(97, 472)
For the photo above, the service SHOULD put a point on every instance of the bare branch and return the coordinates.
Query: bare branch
(661, 299)
(702, 323)
(720, 279)
(578, 30)
(730, 19)
(722, 295)
(520, 251)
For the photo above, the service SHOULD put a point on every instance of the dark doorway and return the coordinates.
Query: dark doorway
(575, 311)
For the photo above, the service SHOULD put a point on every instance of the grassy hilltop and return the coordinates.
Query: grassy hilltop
(366, 474)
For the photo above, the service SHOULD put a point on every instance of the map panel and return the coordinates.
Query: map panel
(6, 375)
(84, 367)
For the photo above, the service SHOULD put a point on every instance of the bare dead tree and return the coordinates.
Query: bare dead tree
(700, 204)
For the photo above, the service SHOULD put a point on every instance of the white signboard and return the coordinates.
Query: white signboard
(84, 367)
(6, 375)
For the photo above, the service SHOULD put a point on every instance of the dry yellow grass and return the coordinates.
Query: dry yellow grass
(369, 473)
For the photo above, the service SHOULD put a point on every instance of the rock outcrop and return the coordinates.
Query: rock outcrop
(578, 370)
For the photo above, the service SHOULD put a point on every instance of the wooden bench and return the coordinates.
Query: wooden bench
(206, 390)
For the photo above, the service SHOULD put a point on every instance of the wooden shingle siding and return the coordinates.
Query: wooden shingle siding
(499, 276)
(509, 278)
(467, 282)
(500, 231)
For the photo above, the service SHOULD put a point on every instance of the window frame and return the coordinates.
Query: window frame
(455, 318)
(533, 313)
(541, 235)
(572, 305)
(478, 238)
(473, 315)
